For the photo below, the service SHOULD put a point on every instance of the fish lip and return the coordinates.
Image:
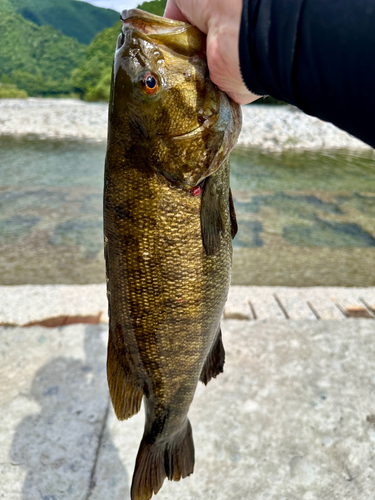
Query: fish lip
(208, 122)
(163, 24)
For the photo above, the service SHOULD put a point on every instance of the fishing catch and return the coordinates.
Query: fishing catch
(168, 224)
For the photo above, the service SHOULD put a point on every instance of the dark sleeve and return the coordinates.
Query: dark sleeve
(316, 54)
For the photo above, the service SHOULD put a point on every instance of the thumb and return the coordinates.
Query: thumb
(245, 98)
(172, 11)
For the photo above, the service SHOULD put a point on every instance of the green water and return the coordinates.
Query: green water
(35, 162)
(305, 218)
(331, 170)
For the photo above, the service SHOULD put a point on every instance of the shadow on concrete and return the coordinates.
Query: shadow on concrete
(59, 445)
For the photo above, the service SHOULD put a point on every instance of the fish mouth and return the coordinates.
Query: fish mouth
(208, 122)
(151, 23)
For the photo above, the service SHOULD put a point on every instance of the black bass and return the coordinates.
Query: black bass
(168, 224)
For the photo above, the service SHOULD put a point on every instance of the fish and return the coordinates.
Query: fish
(169, 221)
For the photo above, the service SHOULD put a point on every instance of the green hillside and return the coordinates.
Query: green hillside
(155, 6)
(73, 18)
(42, 61)
(38, 59)
(92, 79)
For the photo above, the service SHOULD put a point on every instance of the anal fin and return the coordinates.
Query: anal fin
(126, 396)
(214, 363)
(155, 462)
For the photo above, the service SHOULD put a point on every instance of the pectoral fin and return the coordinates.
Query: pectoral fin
(212, 215)
(233, 218)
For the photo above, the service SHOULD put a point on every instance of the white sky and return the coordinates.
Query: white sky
(118, 5)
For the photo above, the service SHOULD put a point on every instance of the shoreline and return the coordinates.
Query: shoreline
(265, 127)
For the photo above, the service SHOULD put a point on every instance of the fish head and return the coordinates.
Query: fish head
(163, 103)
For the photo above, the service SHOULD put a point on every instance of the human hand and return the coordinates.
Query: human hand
(220, 20)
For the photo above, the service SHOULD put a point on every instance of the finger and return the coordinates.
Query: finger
(173, 12)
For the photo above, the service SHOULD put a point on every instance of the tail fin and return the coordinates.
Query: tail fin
(126, 397)
(155, 462)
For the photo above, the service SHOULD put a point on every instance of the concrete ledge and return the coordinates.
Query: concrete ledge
(265, 303)
(25, 304)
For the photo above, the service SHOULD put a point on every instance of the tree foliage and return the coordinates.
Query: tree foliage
(10, 91)
(96, 66)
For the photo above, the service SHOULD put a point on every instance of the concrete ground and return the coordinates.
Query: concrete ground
(291, 418)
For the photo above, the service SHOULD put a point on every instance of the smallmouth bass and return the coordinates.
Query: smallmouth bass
(168, 226)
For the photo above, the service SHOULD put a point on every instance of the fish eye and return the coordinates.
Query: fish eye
(150, 83)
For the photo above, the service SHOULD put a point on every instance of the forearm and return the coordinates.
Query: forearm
(316, 54)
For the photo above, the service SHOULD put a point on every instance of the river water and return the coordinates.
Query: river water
(305, 218)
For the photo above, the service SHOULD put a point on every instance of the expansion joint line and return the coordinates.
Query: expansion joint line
(92, 482)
